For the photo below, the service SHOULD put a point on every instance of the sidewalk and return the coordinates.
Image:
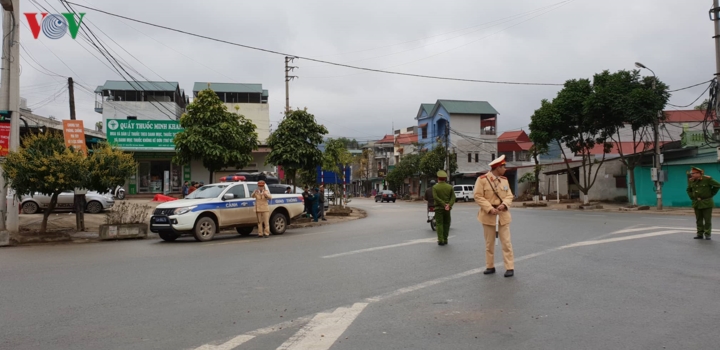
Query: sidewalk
(612, 207)
(575, 206)
(61, 226)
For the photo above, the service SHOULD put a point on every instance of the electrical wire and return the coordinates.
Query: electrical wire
(308, 58)
(691, 86)
(117, 64)
(693, 102)
(105, 52)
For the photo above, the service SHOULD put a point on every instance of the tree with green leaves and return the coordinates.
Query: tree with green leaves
(407, 168)
(214, 135)
(336, 158)
(44, 165)
(566, 120)
(349, 144)
(629, 103)
(434, 160)
(535, 151)
(703, 106)
(294, 145)
(585, 114)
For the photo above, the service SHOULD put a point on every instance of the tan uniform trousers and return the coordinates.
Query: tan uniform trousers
(504, 235)
(263, 219)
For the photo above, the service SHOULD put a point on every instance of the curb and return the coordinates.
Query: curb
(17, 241)
(363, 214)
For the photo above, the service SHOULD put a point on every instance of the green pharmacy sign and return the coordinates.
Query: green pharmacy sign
(142, 135)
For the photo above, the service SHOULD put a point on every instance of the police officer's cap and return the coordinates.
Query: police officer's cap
(442, 173)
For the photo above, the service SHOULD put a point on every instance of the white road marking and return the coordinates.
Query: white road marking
(618, 239)
(689, 229)
(324, 329)
(667, 218)
(416, 241)
(250, 335)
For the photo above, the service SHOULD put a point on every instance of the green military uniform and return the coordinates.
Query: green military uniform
(702, 192)
(443, 194)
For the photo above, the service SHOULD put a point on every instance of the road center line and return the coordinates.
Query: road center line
(416, 241)
(657, 228)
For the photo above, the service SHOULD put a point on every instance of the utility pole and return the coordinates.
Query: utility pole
(71, 93)
(715, 17)
(447, 149)
(9, 105)
(288, 77)
(658, 165)
(656, 136)
(78, 198)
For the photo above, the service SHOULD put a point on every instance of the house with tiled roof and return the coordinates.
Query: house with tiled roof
(468, 128)
(515, 145)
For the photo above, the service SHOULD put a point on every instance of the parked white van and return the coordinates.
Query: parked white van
(464, 192)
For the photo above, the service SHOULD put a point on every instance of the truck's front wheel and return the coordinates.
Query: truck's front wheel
(278, 223)
(204, 229)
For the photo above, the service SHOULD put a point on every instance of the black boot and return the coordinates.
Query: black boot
(509, 273)
(489, 271)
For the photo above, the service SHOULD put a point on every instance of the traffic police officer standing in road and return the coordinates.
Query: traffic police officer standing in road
(493, 195)
(262, 209)
(444, 198)
(701, 190)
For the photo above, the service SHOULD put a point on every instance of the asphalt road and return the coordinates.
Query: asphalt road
(583, 280)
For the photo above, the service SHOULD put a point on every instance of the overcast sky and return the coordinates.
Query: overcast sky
(537, 41)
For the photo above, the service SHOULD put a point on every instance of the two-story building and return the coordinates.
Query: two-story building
(142, 117)
(250, 101)
(405, 141)
(467, 127)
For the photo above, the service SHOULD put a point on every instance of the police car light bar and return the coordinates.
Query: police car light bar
(232, 178)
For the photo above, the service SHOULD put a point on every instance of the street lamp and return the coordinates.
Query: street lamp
(656, 128)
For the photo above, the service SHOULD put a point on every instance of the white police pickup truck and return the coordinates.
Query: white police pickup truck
(219, 206)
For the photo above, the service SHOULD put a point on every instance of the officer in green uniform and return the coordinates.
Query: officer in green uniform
(444, 197)
(701, 190)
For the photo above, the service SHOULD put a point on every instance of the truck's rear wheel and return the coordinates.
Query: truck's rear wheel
(244, 231)
(278, 223)
(204, 229)
(168, 236)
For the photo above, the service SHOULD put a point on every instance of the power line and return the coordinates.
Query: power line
(308, 58)
(105, 52)
(691, 86)
(693, 102)
(502, 21)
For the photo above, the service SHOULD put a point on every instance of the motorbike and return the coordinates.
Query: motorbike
(119, 192)
(431, 217)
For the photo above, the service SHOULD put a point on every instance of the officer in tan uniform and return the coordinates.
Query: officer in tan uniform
(262, 209)
(493, 195)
